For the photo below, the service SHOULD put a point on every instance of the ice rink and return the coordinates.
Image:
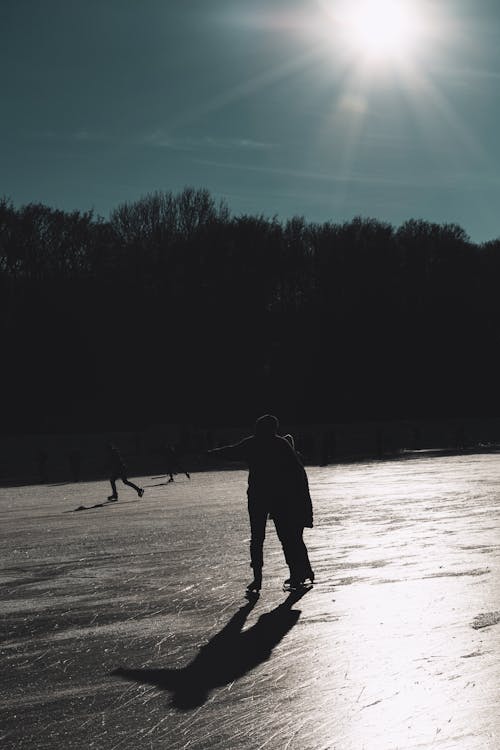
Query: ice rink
(126, 626)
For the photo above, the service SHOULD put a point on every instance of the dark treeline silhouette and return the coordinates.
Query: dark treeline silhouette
(175, 309)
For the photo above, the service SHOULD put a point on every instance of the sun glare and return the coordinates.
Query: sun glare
(380, 30)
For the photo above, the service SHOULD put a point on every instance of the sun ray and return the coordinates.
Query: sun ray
(431, 108)
(248, 87)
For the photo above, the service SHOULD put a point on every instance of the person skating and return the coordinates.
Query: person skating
(118, 470)
(174, 465)
(290, 583)
(277, 487)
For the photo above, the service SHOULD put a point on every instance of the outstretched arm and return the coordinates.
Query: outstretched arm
(234, 452)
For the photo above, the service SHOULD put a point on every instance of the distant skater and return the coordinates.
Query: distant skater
(118, 470)
(174, 465)
(277, 487)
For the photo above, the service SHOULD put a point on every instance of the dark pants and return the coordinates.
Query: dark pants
(289, 534)
(124, 479)
(294, 548)
(258, 518)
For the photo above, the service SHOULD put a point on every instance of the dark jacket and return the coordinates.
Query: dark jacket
(276, 477)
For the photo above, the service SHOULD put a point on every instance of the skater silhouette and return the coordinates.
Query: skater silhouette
(174, 465)
(118, 470)
(277, 487)
(229, 655)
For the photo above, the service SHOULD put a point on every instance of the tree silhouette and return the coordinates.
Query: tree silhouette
(185, 312)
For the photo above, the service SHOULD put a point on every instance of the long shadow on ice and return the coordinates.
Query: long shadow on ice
(229, 655)
(104, 504)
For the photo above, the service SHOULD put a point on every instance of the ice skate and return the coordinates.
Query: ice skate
(298, 584)
(255, 586)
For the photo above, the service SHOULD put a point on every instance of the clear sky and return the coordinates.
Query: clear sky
(281, 107)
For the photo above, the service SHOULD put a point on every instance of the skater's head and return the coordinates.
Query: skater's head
(266, 426)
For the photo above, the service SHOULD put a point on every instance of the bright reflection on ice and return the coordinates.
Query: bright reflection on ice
(416, 555)
(127, 626)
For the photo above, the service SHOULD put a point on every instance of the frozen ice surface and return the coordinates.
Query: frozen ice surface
(125, 626)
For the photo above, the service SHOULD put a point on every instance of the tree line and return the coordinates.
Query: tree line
(174, 310)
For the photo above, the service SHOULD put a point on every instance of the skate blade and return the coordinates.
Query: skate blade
(293, 589)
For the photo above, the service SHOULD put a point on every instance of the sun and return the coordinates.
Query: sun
(380, 30)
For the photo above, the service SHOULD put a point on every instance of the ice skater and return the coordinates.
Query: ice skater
(277, 488)
(174, 465)
(118, 470)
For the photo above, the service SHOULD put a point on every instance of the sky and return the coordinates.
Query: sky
(279, 107)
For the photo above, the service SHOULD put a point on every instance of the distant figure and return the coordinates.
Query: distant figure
(42, 459)
(118, 470)
(277, 486)
(74, 459)
(174, 463)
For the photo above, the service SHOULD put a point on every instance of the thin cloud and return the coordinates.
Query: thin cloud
(160, 139)
(449, 181)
